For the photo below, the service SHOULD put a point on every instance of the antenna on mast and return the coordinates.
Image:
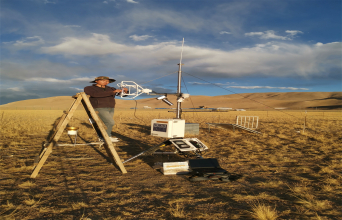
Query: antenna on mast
(174, 128)
(178, 112)
(182, 52)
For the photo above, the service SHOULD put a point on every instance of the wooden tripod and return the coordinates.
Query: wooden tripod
(98, 126)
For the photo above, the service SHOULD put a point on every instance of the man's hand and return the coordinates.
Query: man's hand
(120, 90)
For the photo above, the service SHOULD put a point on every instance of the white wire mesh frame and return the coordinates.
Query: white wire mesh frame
(251, 122)
(134, 89)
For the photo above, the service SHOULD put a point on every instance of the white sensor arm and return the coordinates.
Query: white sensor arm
(134, 90)
(182, 97)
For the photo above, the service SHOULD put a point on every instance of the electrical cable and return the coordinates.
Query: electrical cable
(135, 109)
(189, 96)
(136, 103)
(158, 78)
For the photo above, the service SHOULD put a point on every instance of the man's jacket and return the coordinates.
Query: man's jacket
(101, 97)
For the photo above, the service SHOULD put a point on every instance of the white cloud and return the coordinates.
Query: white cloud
(137, 18)
(189, 22)
(14, 94)
(132, 1)
(218, 84)
(55, 80)
(36, 90)
(267, 35)
(15, 89)
(49, 2)
(254, 34)
(98, 44)
(271, 35)
(266, 87)
(294, 32)
(19, 71)
(225, 32)
(77, 89)
(29, 42)
(41, 79)
(246, 87)
(139, 38)
(271, 59)
(107, 1)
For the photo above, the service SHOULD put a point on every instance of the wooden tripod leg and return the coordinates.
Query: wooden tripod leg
(60, 121)
(149, 151)
(42, 160)
(58, 126)
(111, 157)
(61, 126)
(113, 154)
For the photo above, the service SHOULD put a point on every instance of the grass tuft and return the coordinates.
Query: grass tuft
(316, 205)
(177, 210)
(307, 199)
(30, 202)
(10, 205)
(27, 185)
(264, 212)
(79, 205)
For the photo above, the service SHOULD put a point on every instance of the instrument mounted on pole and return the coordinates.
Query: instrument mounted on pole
(133, 90)
(173, 129)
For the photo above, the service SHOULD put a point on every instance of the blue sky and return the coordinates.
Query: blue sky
(55, 47)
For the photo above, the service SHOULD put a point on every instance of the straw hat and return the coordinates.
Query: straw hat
(103, 77)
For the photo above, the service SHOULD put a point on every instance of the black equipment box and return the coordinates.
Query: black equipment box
(206, 169)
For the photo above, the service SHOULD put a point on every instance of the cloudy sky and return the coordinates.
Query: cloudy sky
(55, 47)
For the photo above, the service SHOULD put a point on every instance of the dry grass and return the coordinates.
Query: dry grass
(79, 205)
(29, 202)
(27, 184)
(264, 212)
(297, 172)
(177, 210)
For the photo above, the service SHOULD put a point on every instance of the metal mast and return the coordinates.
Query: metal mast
(178, 116)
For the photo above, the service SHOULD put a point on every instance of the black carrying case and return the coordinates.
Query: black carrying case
(205, 169)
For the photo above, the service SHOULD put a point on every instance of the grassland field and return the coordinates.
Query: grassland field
(285, 173)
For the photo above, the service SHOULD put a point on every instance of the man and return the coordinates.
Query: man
(102, 98)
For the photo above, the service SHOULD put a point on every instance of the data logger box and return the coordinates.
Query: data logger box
(169, 128)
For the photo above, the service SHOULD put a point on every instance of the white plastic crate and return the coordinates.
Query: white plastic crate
(175, 168)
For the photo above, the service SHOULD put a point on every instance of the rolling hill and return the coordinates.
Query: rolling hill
(290, 100)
